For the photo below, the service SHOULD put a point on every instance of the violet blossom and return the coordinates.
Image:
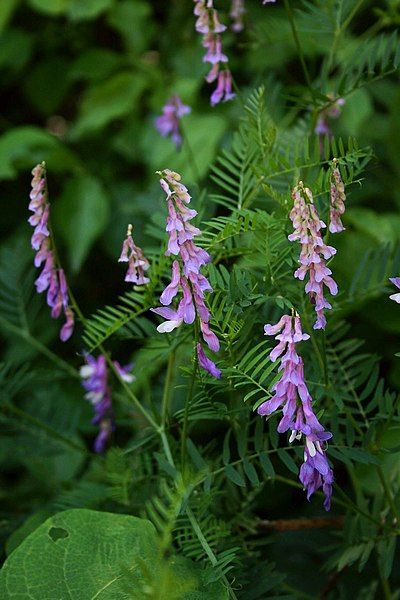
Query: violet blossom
(314, 252)
(337, 200)
(137, 262)
(291, 395)
(209, 25)
(94, 379)
(187, 281)
(51, 278)
(396, 282)
(168, 123)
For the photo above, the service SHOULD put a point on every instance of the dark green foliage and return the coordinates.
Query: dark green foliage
(196, 496)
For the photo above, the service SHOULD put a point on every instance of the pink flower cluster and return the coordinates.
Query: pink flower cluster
(314, 252)
(209, 25)
(337, 200)
(291, 393)
(186, 277)
(168, 123)
(137, 262)
(51, 278)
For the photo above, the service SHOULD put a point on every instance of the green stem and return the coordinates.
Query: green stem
(25, 335)
(388, 493)
(296, 38)
(18, 412)
(207, 549)
(167, 389)
(186, 415)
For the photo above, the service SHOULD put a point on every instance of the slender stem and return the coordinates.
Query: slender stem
(18, 412)
(387, 593)
(25, 335)
(206, 547)
(190, 155)
(167, 389)
(186, 415)
(290, 15)
(388, 493)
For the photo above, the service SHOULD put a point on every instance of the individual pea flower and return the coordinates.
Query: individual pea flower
(94, 379)
(291, 394)
(51, 278)
(396, 282)
(333, 111)
(314, 252)
(337, 200)
(186, 279)
(169, 122)
(209, 25)
(137, 262)
(236, 14)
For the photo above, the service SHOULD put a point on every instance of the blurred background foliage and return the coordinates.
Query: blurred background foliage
(81, 84)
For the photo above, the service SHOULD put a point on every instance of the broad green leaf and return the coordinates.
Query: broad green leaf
(81, 216)
(47, 84)
(96, 63)
(50, 7)
(132, 21)
(7, 7)
(107, 101)
(89, 9)
(23, 147)
(84, 554)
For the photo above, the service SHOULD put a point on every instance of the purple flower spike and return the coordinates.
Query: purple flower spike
(396, 282)
(137, 262)
(315, 471)
(186, 277)
(291, 395)
(209, 25)
(51, 278)
(94, 379)
(207, 364)
(337, 200)
(314, 252)
(168, 123)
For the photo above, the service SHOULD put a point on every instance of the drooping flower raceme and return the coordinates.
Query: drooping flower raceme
(137, 262)
(51, 277)
(314, 252)
(209, 25)
(186, 278)
(396, 282)
(168, 123)
(236, 14)
(94, 378)
(291, 395)
(337, 200)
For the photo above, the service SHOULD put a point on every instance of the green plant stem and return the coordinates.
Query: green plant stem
(166, 399)
(186, 415)
(110, 363)
(25, 335)
(296, 38)
(18, 412)
(388, 493)
(207, 549)
(387, 593)
(190, 155)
